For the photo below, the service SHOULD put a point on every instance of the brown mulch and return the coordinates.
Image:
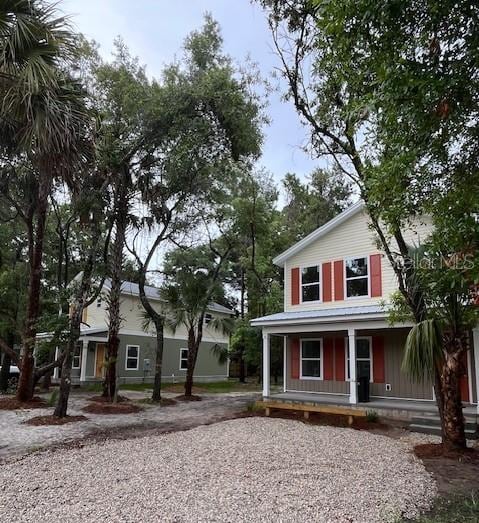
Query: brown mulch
(188, 398)
(437, 450)
(112, 408)
(13, 404)
(103, 399)
(454, 472)
(53, 420)
(334, 420)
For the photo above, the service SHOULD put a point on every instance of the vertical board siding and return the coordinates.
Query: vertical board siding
(295, 358)
(328, 354)
(378, 360)
(339, 280)
(327, 283)
(295, 286)
(393, 343)
(376, 276)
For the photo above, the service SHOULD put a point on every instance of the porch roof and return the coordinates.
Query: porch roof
(332, 315)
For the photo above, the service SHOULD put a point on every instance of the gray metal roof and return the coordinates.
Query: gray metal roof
(338, 312)
(133, 289)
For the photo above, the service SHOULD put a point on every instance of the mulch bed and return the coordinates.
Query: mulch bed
(103, 399)
(53, 420)
(437, 450)
(333, 420)
(13, 404)
(97, 407)
(188, 398)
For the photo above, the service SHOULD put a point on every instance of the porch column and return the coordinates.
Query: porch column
(353, 386)
(285, 355)
(84, 356)
(475, 337)
(56, 369)
(266, 363)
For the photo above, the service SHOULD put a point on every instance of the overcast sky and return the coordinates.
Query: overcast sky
(154, 30)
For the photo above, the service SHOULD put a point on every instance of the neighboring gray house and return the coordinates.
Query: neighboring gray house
(136, 359)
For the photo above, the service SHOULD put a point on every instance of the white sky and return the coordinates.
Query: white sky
(154, 30)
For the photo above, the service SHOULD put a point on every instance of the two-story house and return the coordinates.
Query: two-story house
(335, 325)
(136, 358)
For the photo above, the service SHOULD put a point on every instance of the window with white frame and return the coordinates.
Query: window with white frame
(132, 357)
(208, 318)
(363, 359)
(311, 359)
(76, 360)
(183, 359)
(357, 277)
(310, 283)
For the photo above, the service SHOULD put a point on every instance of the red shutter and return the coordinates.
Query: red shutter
(295, 286)
(340, 359)
(295, 358)
(326, 282)
(376, 277)
(338, 280)
(328, 355)
(379, 373)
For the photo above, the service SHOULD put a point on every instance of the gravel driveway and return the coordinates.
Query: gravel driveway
(252, 469)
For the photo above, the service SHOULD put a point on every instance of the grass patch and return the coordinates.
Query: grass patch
(136, 386)
(52, 400)
(457, 508)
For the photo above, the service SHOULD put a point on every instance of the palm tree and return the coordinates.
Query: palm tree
(42, 119)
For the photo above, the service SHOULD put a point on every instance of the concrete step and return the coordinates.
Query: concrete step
(436, 430)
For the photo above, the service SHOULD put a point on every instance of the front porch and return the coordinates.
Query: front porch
(396, 408)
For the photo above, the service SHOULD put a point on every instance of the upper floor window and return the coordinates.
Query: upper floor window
(357, 277)
(76, 359)
(310, 283)
(208, 318)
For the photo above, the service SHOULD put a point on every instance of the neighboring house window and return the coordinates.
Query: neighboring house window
(357, 277)
(98, 302)
(208, 318)
(132, 357)
(310, 283)
(311, 359)
(183, 359)
(363, 359)
(76, 363)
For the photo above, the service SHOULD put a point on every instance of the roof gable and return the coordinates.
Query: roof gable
(318, 233)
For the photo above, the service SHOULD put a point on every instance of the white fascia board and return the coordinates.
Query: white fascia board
(318, 233)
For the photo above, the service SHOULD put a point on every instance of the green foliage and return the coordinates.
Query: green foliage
(463, 508)
(423, 349)
(371, 416)
(52, 400)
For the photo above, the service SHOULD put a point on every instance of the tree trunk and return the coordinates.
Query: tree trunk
(114, 300)
(156, 396)
(25, 383)
(453, 431)
(193, 346)
(5, 373)
(65, 382)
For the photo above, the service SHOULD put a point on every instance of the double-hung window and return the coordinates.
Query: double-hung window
(311, 359)
(357, 277)
(310, 284)
(77, 356)
(183, 359)
(132, 357)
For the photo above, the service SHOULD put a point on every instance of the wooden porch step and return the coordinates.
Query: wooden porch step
(307, 408)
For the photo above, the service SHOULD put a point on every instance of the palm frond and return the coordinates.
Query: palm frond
(221, 353)
(423, 349)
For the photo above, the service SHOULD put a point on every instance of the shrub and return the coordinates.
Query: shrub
(371, 416)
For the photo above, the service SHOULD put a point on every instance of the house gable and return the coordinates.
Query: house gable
(328, 248)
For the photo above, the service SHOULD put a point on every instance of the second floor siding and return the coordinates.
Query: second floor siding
(346, 260)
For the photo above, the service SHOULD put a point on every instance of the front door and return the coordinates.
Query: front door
(100, 360)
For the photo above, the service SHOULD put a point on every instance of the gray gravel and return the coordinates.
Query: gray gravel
(252, 469)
